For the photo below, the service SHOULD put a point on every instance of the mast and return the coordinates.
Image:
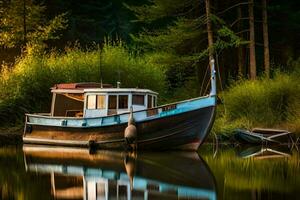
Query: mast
(213, 90)
(100, 71)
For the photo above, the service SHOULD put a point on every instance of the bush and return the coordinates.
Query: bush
(25, 87)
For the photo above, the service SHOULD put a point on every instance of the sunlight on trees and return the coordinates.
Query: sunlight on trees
(23, 24)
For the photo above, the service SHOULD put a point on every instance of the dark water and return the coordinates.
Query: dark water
(229, 173)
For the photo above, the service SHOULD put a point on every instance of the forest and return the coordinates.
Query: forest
(163, 45)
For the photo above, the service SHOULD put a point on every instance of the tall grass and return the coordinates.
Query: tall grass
(25, 87)
(264, 102)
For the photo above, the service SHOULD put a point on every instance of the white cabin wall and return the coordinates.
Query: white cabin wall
(138, 107)
(90, 113)
(95, 112)
(103, 112)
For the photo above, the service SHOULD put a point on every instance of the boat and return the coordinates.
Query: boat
(265, 152)
(94, 115)
(262, 135)
(73, 173)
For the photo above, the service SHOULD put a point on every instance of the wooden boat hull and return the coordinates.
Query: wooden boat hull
(185, 131)
(264, 152)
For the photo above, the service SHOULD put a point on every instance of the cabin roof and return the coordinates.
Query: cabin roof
(119, 90)
(81, 86)
(92, 87)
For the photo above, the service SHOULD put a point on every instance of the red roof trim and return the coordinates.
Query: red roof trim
(80, 86)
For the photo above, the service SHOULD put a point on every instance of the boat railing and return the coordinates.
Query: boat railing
(151, 111)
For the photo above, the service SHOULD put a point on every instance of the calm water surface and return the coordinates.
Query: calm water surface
(229, 173)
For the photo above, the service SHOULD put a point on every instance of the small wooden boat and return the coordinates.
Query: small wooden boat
(265, 152)
(261, 135)
(76, 174)
(99, 116)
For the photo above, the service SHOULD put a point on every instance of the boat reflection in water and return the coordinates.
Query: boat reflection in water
(76, 174)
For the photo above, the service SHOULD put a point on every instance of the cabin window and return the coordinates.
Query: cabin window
(123, 101)
(100, 101)
(149, 101)
(112, 102)
(68, 104)
(138, 99)
(154, 101)
(91, 102)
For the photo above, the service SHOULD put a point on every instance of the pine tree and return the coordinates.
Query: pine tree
(252, 41)
(23, 23)
(175, 32)
(266, 38)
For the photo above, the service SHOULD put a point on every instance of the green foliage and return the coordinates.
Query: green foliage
(158, 9)
(12, 21)
(177, 30)
(18, 14)
(225, 39)
(25, 88)
(91, 21)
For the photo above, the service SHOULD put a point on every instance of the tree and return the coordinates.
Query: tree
(176, 35)
(266, 38)
(91, 21)
(252, 41)
(209, 29)
(23, 24)
(240, 48)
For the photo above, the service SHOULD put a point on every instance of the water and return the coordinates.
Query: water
(228, 173)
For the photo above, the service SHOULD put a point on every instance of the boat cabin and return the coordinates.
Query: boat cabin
(96, 100)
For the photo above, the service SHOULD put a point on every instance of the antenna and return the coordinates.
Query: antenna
(100, 71)
(119, 78)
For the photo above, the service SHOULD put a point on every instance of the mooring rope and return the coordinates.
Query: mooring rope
(202, 85)
(220, 80)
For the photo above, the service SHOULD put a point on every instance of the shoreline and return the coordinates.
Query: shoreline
(13, 136)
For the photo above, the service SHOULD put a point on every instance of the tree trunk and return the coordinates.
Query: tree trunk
(240, 48)
(252, 41)
(209, 30)
(266, 38)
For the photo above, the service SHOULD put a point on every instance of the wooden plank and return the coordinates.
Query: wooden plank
(268, 131)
